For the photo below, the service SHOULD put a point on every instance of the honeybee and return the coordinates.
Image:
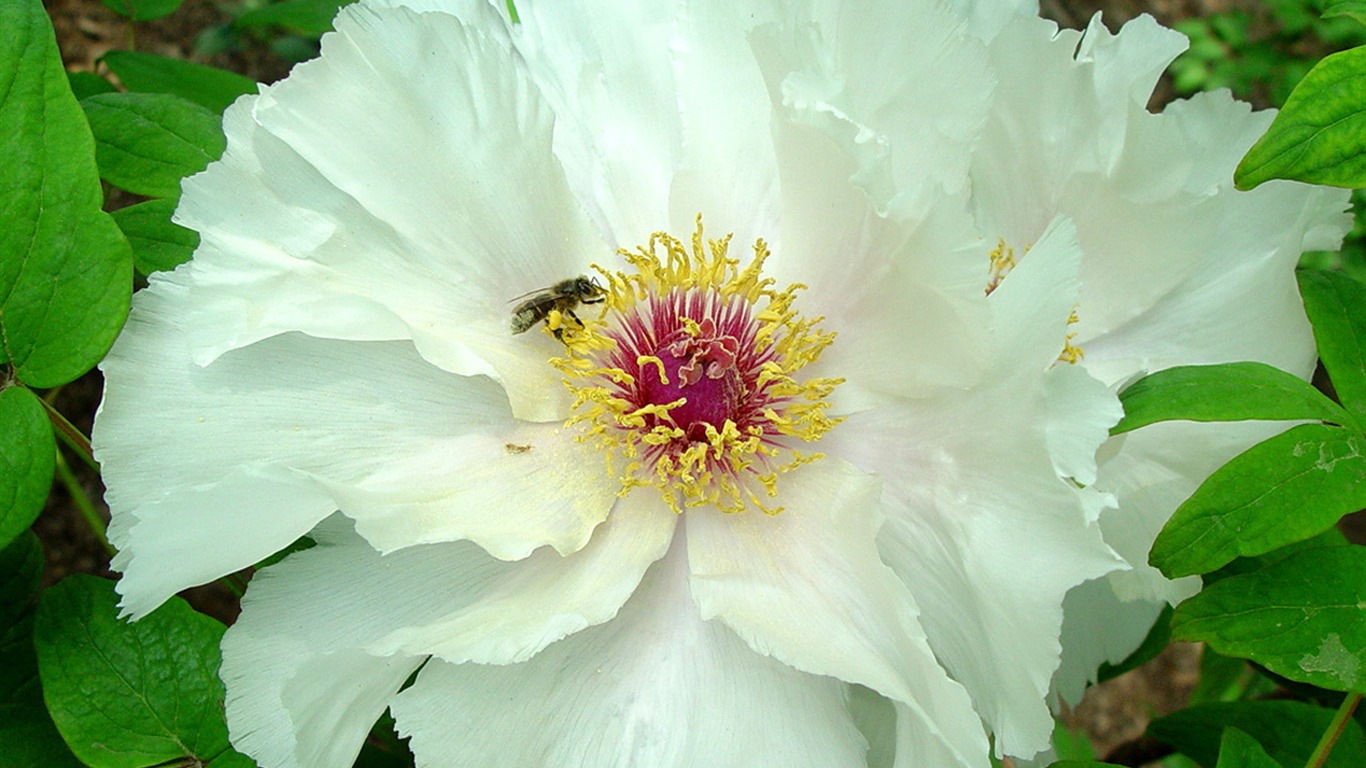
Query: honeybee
(563, 296)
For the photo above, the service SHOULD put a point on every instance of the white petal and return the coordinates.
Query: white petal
(1151, 471)
(980, 525)
(606, 70)
(1029, 309)
(807, 587)
(1253, 242)
(1059, 143)
(873, 277)
(1097, 628)
(355, 201)
(211, 469)
(545, 597)
(314, 713)
(342, 625)
(875, 716)
(1129, 64)
(727, 169)
(193, 536)
(1169, 244)
(1073, 433)
(985, 535)
(654, 687)
(986, 17)
(912, 113)
(473, 12)
(509, 487)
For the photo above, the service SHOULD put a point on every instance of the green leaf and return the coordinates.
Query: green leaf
(158, 244)
(21, 568)
(87, 84)
(1221, 678)
(65, 269)
(207, 86)
(147, 142)
(1287, 730)
(1083, 764)
(1282, 490)
(143, 10)
(129, 695)
(1156, 640)
(1353, 8)
(1320, 135)
(27, 461)
(1071, 743)
(1239, 750)
(1336, 305)
(1303, 618)
(27, 736)
(1329, 538)
(312, 17)
(1228, 392)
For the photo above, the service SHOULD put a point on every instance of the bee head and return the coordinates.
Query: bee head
(586, 288)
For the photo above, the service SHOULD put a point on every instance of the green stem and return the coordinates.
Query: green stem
(1335, 728)
(234, 584)
(73, 437)
(82, 501)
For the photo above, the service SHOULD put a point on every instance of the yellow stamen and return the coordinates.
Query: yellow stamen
(1071, 353)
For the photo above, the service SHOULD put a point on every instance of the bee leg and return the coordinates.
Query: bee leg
(559, 332)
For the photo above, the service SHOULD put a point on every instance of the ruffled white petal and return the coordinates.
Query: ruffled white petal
(873, 277)
(546, 596)
(986, 17)
(875, 717)
(656, 686)
(1169, 247)
(328, 635)
(1097, 628)
(1161, 226)
(980, 525)
(400, 186)
(851, 74)
(307, 713)
(1060, 142)
(1255, 239)
(1151, 471)
(727, 168)
(508, 486)
(266, 441)
(1081, 411)
(606, 69)
(807, 587)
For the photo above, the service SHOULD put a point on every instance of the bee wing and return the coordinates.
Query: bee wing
(529, 294)
(526, 295)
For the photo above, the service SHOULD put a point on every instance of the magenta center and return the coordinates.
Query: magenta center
(707, 349)
(700, 369)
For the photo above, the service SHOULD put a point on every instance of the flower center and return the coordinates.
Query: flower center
(697, 367)
(689, 383)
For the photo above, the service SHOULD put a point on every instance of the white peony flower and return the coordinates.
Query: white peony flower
(795, 459)
(1178, 269)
